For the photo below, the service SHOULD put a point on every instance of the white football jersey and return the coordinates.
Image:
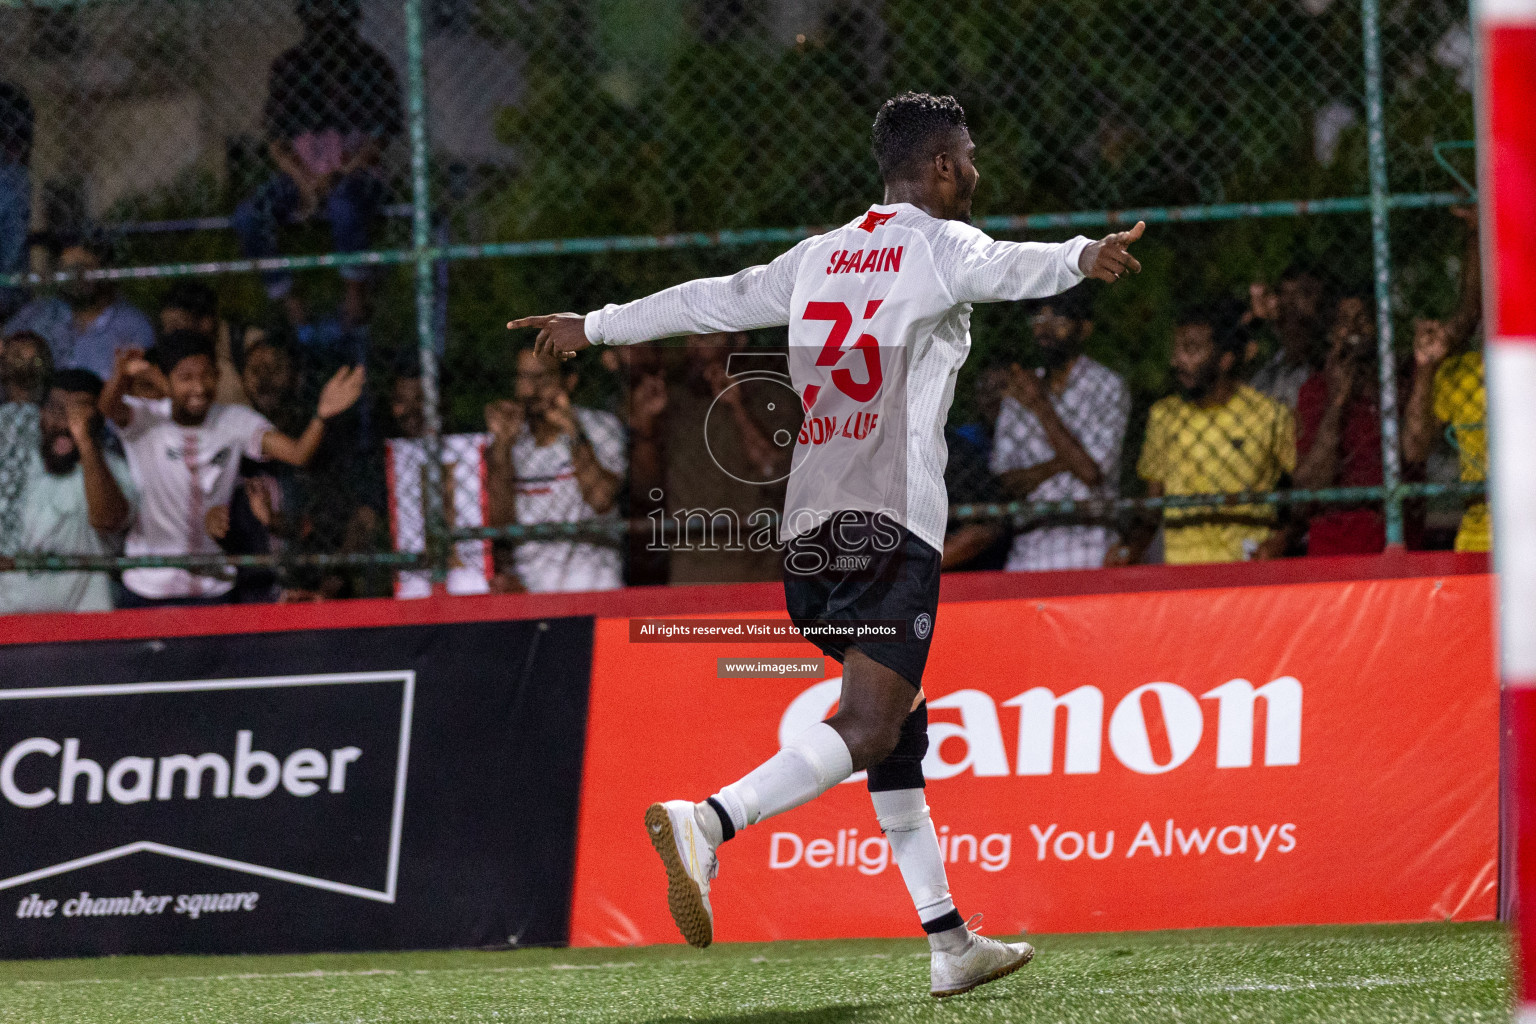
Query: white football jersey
(879, 316)
(181, 473)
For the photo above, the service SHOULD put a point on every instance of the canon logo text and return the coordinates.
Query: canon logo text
(1184, 721)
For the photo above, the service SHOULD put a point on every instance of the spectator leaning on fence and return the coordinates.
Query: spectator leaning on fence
(246, 526)
(554, 462)
(1338, 434)
(1216, 435)
(333, 104)
(1297, 313)
(1448, 392)
(331, 505)
(74, 499)
(1059, 434)
(87, 323)
(16, 122)
(700, 443)
(184, 452)
(262, 505)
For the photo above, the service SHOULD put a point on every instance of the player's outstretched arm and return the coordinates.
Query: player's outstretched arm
(1110, 257)
(560, 334)
(755, 297)
(981, 269)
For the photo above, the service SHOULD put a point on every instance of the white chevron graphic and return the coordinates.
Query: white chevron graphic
(145, 846)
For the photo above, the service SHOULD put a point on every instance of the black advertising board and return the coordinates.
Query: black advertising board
(375, 788)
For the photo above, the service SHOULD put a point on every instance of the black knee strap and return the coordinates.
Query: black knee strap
(903, 769)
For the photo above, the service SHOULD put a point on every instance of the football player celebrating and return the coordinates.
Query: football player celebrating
(879, 324)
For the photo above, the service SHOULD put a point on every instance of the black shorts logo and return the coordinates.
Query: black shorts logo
(921, 625)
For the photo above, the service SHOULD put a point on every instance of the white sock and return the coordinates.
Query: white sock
(903, 817)
(811, 764)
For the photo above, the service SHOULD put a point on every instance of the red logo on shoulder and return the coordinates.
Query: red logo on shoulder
(873, 220)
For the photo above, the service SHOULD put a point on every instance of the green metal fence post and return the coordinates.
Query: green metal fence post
(437, 542)
(1381, 253)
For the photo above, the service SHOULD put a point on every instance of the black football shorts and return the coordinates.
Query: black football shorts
(861, 567)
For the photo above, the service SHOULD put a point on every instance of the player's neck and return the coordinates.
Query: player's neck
(914, 194)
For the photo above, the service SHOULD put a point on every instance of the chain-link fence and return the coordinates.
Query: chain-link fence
(314, 184)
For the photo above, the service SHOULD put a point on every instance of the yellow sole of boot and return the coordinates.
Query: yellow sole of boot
(683, 896)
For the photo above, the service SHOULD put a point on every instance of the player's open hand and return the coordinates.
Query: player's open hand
(560, 334)
(1110, 256)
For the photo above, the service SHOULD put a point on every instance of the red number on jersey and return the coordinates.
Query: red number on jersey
(841, 318)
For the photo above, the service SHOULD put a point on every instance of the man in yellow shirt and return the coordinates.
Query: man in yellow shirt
(1448, 390)
(1215, 436)
(1451, 389)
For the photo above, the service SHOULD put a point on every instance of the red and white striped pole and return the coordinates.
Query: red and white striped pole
(1507, 189)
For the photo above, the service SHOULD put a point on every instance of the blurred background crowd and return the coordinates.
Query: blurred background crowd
(286, 413)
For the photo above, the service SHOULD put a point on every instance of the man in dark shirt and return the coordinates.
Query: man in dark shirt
(333, 104)
(1338, 433)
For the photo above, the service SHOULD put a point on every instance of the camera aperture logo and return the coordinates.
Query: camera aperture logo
(768, 401)
(300, 779)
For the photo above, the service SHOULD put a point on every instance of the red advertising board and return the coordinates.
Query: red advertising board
(1310, 753)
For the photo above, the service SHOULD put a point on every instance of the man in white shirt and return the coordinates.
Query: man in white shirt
(184, 452)
(553, 462)
(74, 499)
(879, 324)
(1059, 434)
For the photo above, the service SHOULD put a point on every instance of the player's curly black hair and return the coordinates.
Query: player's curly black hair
(912, 128)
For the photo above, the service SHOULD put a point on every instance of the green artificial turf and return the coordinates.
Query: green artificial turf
(1397, 974)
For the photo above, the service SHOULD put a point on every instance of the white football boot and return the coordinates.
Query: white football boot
(691, 865)
(982, 960)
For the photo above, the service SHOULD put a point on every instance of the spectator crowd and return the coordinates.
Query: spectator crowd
(187, 434)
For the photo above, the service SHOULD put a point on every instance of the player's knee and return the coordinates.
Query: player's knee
(902, 768)
(886, 736)
(870, 737)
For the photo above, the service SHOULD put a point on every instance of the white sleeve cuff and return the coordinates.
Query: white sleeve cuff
(1072, 253)
(594, 326)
